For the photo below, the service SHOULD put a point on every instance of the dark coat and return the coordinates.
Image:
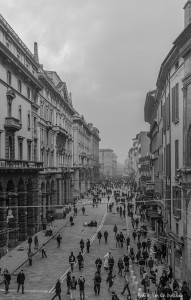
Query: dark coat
(58, 287)
(21, 278)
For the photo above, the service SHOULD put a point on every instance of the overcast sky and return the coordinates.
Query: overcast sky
(107, 51)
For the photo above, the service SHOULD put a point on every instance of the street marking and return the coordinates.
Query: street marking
(28, 291)
(63, 277)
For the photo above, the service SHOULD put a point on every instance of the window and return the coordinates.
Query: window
(29, 150)
(34, 120)
(28, 93)
(35, 151)
(7, 45)
(168, 112)
(42, 155)
(19, 86)
(18, 55)
(20, 149)
(176, 65)
(29, 121)
(176, 156)
(175, 103)
(168, 160)
(20, 113)
(177, 201)
(9, 108)
(9, 77)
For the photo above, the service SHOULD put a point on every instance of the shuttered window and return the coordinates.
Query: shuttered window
(175, 103)
(176, 156)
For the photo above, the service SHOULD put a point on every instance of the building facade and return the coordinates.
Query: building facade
(168, 112)
(108, 162)
(36, 142)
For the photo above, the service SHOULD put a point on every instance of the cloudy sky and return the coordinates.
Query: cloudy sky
(108, 51)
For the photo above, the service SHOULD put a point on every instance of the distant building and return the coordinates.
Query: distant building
(108, 162)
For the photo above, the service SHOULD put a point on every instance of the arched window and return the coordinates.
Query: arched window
(10, 148)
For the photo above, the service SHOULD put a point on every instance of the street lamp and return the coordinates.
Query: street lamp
(9, 216)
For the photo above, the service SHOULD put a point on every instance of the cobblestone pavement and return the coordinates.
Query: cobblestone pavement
(42, 275)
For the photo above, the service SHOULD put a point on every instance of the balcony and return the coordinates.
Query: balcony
(20, 164)
(49, 125)
(59, 129)
(12, 124)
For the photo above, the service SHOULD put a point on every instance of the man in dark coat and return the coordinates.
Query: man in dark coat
(57, 290)
(59, 238)
(105, 236)
(72, 260)
(20, 281)
(80, 260)
(88, 245)
(97, 282)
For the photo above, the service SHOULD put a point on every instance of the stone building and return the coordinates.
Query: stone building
(36, 142)
(170, 147)
(108, 162)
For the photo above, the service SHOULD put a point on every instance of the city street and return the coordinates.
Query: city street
(43, 274)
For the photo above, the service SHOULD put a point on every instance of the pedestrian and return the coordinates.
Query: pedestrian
(139, 245)
(80, 260)
(120, 266)
(105, 236)
(110, 262)
(148, 244)
(72, 260)
(30, 255)
(83, 210)
(30, 241)
(68, 282)
(59, 238)
(170, 274)
(134, 234)
(57, 290)
(98, 263)
(128, 241)
(117, 239)
(144, 244)
(6, 279)
(71, 221)
(126, 262)
(43, 251)
(82, 245)
(20, 281)
(150, 263)
(126, 286)
(81, 283)
(115, 229)
(145, 256)
(36, 244)
(185, 291)
(88, 246)
(99, 235)
(122, 238)
(73, 285)
(97, 283)
(138, 235)
(110, 279)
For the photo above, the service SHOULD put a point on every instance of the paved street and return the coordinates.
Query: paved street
(42, 275)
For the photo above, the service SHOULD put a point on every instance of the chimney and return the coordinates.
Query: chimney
(187, 13)
(70, 97)
(36, 52)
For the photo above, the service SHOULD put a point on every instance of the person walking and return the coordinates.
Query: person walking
(20, 281)
(73, 285)
(36, 244)
(30, 241)
(122, 238)
(98, 264)
(68, 282)
(134, 235)
(59, 238)
(57, 290)
(30, 255)
(82, 245)
(120, 266)
(105, 236)
(83, 210)
(111, 262)
(110, 279)
(88, 246)
(99, 235)
(115, 229)
(97, 283)
(43, 251)
(150, 263)
(126, 286)
(81, 283)
(72, 260)
(71, 221)
(80, 260)
(6, 279)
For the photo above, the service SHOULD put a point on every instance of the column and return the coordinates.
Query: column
(13, 223)
(22, 215)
